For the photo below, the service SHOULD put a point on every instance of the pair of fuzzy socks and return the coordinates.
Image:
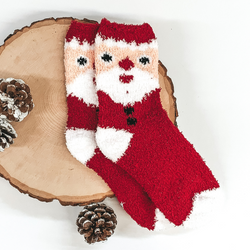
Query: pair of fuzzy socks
(117, 126)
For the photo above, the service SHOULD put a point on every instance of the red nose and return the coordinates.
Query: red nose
(126, 64)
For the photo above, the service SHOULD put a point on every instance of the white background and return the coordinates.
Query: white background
(205, 46)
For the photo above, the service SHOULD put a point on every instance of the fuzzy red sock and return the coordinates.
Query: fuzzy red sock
(133, 129)
(82, 122)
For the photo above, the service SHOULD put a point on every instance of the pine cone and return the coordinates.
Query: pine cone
(15, 99)
(96, 222)
(7, 134)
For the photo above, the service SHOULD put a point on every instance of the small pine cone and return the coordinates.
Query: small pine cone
(15, 99)
(7, 134)
(96, 222)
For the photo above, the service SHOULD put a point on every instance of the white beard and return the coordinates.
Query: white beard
(84, 88)
(126, 93)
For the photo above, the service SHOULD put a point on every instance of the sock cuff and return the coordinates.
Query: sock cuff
(82, 32)
(134, 34)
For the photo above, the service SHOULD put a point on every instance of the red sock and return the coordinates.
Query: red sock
(133, 129)
(82, 122)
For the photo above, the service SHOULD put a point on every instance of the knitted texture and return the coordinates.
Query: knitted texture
(133, 129)
(82, 123)
(128, 33)
(83, 33)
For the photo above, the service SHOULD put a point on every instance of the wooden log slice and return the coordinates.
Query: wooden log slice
(38, 163)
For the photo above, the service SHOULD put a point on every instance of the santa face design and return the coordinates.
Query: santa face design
(79, 61)
(126, 72)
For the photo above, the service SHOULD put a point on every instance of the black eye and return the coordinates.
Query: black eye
(144, 60)
(82, 61)
(106, 57)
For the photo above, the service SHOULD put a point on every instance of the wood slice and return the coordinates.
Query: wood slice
(38, 163)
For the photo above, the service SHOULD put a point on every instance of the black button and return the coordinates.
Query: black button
(129, 110)
(131, 121)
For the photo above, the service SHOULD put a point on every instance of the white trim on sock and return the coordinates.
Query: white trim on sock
(206, 208)
(110, 42)
(75, 43)
(113, 143)
(161, 223)
(81, 143)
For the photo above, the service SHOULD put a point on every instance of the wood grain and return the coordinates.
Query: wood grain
(38, 163)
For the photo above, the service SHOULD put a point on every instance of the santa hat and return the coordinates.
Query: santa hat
(123, 35)
(81, 33)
